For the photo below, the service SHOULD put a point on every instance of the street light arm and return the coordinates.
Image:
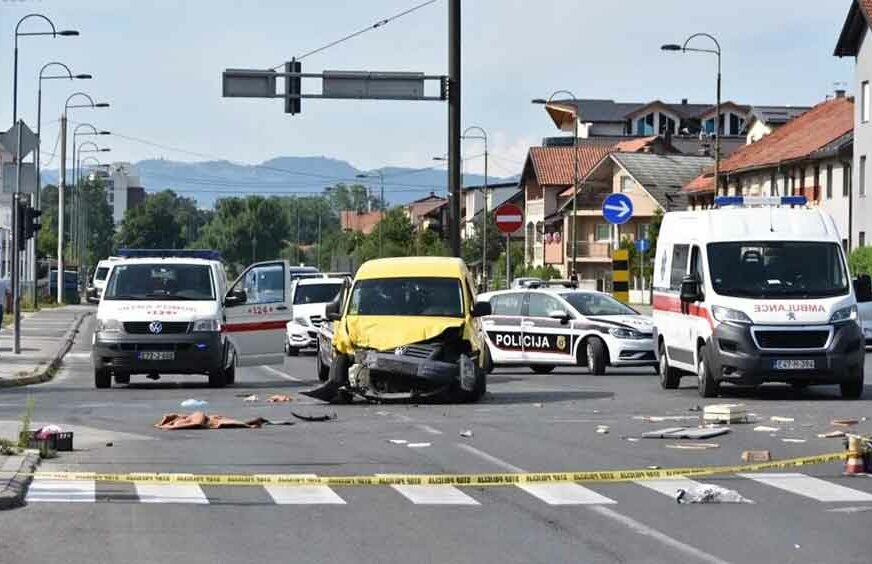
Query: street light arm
(54, 31)
(706, 35)
(482, 131)
(76, 130)
(83, 143)
(55, 63)
(73, 95)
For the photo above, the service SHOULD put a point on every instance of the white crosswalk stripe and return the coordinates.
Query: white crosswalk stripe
(809, 486)
(435, 495)
(565, 494)
(170, 493)
(670, 486)
(60, 491)
(304, 495)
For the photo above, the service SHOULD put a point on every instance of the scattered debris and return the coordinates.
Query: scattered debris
(418, 445)
(756, 456)
(831, 435)
(199, 420)
(191, 402)
(726, 413)
(685, 433)
(252, 398)
(278, 398)
(844, 422)
(466, 434)
(853, 509)
(766, 429)
(602, 429)
(792, 440)
(398, 441)
(708, 493)
(696, 409)
(260, 421)
(315, 418)
(694, 446)
(631, 439)
(537, 404)
(46, 430)
(109, 444)
(653, 467)
(780, 419)
(382, 413)
(661, 418)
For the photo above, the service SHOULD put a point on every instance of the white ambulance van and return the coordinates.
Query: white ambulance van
(756, 290)
(171, 312)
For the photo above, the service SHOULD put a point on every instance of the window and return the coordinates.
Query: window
(710, 126)
(603, 232)
(862, 187)
(773, 187)
(588, 303)
(164, 282)
(845, 245)
(816, 187)
(642, 230)
(645, 125)
(829, 182)
(541, 305)
(862, 238)
(864, 104)
(507, 304)
(696, 263)
(626, 184)
(679, 266)
(801, 182)
(316, 293)
(667, 124)
(735, 124)
(846, 179)
(264, 284)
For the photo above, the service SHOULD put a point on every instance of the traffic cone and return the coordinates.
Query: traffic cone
(854, 461)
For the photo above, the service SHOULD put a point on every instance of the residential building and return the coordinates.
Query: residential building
(763, 120)
(854, 41)
(810, 156)
(430, 212)
(652, 182)
(122, 185)
(473, 203)
(359, 222)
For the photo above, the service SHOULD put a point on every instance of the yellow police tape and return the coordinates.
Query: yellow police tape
(493, 479)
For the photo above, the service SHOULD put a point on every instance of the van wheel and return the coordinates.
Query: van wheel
(854, 388)
(670, 377)
(217, 378)
(595, 356)
(488, 362)
(478, 390)
(708, 387)
(542, 368)
(102, 378)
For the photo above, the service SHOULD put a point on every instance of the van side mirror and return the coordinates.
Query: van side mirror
(482, 309)
(690, 289)
(331, 311)
(863, 288)
(235, 298)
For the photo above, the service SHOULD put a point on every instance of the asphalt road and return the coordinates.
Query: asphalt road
(527, 422)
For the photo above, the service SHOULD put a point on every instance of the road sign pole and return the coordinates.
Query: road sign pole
(16, 253)
(508, 261)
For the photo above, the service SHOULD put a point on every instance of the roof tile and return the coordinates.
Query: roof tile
(555, 166)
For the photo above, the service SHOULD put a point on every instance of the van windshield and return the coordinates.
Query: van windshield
(160, 282)
(777, 269)
(432, 297)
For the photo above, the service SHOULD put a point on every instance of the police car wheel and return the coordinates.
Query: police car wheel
(707, 386)
(595, 353)
(102, 378)
(670, 378)
(542, 368)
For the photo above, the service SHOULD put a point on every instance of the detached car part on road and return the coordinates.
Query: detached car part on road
(408, 328)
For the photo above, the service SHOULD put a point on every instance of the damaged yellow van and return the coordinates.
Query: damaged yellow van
(408, 328)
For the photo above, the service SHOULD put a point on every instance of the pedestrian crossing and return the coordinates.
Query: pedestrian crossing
(565, 494)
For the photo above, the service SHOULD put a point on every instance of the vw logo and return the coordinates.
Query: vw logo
(155, 327)
(791, 316)
(399, 351)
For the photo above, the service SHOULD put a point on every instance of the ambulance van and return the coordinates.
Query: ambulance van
(756, 290)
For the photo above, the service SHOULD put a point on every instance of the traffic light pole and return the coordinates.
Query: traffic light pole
(16, 251)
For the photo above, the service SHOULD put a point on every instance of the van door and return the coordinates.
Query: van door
(679, 329)
(503, 328)
(256, 310)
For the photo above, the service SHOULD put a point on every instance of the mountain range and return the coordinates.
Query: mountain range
(208, 181)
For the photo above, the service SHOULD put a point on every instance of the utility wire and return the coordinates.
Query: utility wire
(376, 25)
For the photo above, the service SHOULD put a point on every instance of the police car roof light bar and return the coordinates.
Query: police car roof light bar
(205, 254)
(722, 201)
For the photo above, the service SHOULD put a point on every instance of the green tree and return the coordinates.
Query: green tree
(496, 242)
(353, 197)
(518, 266)
(860, 261)
(97, 224)
(163, 221)
(47, 239)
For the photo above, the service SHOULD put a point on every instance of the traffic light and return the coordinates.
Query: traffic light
(21, 231)
(31, 222)
(292, 87)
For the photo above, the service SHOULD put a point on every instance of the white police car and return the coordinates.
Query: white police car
(544, 328)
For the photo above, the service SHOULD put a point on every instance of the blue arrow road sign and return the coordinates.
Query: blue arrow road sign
(617, 209)
(642, 245)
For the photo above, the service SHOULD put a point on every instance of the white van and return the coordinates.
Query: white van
(98, 282)
(749, 295)
(171, 312)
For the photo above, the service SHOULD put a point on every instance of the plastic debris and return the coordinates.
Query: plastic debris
(693, 446)
(756, 456)
(780, 419)
(398, 441)
(695, 409)
(109, 444)
(831, 435)
(726, 413)
(466, 434)
(844, 422)
(191, 402)
(766, 429)
(602, 429)
(631, 439)
(252, 398)
(708, 493)
(661, 418)
(418, 445)
(278, 398)
(315, 418)
(653, 467)
(685, 433)
(792, 440)
(537, 404)
(46, 430)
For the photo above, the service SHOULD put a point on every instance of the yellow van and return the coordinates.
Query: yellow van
(407, 328)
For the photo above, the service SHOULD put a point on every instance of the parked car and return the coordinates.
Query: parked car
(526, 281)
(309, 297)
(549, 327)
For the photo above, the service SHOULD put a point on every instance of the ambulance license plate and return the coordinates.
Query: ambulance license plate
(791, 364)
(157, 355)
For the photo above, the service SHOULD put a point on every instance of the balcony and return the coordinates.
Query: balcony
(535, 210)
(589, 251)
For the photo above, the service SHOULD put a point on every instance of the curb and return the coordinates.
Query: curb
(13, 493)
(46, 373)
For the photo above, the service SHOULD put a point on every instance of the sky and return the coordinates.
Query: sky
(159, 64)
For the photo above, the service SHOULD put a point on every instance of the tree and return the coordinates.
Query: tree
(860, 261)
(496, 242)
(163, 221)
(518, 267)
(98, 226)
(47, 240)
(247, 230)
(354, 197)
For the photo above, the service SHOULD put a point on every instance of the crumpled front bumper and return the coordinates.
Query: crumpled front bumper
(433, 371)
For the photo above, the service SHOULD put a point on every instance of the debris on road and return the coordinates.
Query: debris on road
(315, 418)
(693, 446)
(792, 440)
(602, 429)
(537, 404)
(708, 493)
(631, 439)
(199, 420)
(418, 445)
(109, 444)
(756, 456)
(844, 422)
(831, 435)
(686, 433)
(251, 398)
(661, 418)
(466, 434)
(726, 413)
(278, 398)
(766, 429)
(695, 409)
(780, 419)
(653, 467)
(191, 402)
(398, 441)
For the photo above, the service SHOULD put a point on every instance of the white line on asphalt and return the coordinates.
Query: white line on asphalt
(170, 493)
(435, 495)
(78, 355)
(62, 491)
(278, 372)
(853, 509)
(630, 523)
(304, 495)
(669, 486)
(809, 486)
(429, 429)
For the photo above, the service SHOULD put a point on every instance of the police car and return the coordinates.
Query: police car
(544, 328)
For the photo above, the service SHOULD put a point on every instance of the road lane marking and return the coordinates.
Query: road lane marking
(278, 372)
(632, 524)
(304, 495)
(429, 429)
(170, 493)
(60, 491)
(435, 495)
(809, 486)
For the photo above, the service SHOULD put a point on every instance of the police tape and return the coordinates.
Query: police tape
(492, 479)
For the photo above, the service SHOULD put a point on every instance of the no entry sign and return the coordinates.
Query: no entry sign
(509, 218)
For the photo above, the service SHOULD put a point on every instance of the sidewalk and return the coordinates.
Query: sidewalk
(46, 337)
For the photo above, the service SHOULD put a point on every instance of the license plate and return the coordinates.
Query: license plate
(793, 364)
(157, 355)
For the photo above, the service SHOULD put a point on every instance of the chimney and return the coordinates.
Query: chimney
(840, 92)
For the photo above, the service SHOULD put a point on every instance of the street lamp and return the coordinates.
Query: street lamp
(716, 51)
(482, 136)
(381, 176)
(76, 212)
(54, 33)
(94, 131)
(575, 116)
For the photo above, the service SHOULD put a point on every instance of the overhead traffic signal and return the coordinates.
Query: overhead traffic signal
(293, 88)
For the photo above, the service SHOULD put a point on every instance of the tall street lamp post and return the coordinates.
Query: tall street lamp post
(79, 208)
(716, 51)
(484, 213)
(575, 116)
